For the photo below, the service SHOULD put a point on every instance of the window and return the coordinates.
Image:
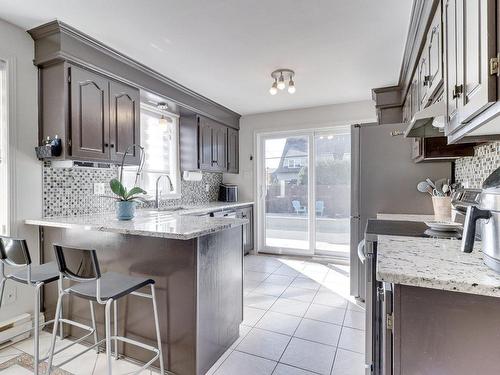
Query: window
(160, 139)
(4, 143)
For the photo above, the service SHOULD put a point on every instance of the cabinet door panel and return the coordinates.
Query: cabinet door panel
(435, 53)
(89, 107)
(205, 148)
(478, 43)
(233, 151)
(220, 147)
(451, 61)
(124, 122)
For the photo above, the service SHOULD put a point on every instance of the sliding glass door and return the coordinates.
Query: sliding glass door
(303, 180)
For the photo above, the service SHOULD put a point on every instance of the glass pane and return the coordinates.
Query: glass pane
(286, 179)
(333, 179)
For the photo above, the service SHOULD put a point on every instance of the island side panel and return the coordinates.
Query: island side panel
(171, 263)
(220, 294)
(441, 332)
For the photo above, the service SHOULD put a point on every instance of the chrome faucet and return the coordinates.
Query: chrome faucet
(171, 187)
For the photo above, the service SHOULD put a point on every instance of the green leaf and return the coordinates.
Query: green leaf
(117, 188)
(134, 191)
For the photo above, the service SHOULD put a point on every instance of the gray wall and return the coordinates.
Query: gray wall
(16, 47)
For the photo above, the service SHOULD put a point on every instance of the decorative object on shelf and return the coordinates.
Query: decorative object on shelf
(281, 77)
(51, 147)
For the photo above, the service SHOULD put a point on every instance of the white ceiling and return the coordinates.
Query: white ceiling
(226, 49)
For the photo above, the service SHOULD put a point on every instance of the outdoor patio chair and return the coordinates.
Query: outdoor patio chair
(320, 208)
(299, 209)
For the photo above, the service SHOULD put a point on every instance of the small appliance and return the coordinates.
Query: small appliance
(228, 193)
(487, 210)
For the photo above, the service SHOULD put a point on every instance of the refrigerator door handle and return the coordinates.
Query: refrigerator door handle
(361, 251)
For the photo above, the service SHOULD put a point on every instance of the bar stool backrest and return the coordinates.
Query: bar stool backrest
(14, 252)
(77, 264)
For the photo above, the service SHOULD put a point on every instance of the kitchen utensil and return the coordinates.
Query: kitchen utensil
(446, 188)
(429, 181)
(487, 210)
(443, 226)
(423, 187)
(439, 184)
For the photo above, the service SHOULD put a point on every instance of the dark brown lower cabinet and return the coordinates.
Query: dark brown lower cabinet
(437, 148)
(441, 332)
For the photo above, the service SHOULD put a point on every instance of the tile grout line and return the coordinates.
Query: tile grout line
(338, 340)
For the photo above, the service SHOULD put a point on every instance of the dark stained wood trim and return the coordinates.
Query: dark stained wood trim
(56, 41)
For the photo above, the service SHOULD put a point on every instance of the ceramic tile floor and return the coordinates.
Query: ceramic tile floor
(298, 320)
(89, 363)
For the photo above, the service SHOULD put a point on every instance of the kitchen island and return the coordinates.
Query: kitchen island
(446, 307)
(196, 262)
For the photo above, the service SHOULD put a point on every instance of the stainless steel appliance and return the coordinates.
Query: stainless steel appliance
(384, 180)
(487, 209)
(379, 296)
(228, 193)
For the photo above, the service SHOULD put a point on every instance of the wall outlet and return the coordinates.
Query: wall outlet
(207, 188)
(10, 295)
(99, 188)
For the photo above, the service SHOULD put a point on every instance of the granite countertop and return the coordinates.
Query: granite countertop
(148, 222)
(436, 264)
(211, 207)
(405, 217)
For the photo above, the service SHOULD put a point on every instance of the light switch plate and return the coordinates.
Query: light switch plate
(99, 188)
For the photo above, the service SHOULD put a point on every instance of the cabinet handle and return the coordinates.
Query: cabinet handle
(112, 145)
(427, 80)
(106, 145)
(457, 91)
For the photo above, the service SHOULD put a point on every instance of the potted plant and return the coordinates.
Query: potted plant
(125, 200)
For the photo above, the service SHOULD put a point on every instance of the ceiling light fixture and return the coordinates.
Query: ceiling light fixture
(163, 121)
(274, 88)
(281, 77)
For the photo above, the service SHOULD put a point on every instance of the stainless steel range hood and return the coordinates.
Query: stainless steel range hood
(427, 122)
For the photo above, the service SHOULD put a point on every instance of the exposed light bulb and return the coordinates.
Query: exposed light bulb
(163, 122)
(274, 88)
(291, 86)
(281, 82)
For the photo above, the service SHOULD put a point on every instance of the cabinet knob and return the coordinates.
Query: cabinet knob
(106, 145)
(112, 145)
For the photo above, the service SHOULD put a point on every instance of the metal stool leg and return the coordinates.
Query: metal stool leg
(2, 288)
(57, 317)
(115, 326)
(108, 334)
(36, 329)
(94, 326)
(157, 326)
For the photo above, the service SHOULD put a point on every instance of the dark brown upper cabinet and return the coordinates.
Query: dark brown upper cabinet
(233, 138)
(96, 117)
(124, 122)
(219, 147)
(434, 50)
(89, 108)
(206, 142)
(208, 145)
(470, 63)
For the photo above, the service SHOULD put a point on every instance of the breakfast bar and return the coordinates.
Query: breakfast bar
(196, 263)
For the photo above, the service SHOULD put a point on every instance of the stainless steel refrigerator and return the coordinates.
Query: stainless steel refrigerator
(384, 180)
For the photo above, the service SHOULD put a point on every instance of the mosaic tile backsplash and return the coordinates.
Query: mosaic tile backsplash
(472, 171)
(70, 191)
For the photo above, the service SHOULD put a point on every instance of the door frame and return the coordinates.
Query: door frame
(261, 137)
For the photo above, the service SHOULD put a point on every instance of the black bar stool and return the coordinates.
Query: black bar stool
(82, 267)
(14, 253)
